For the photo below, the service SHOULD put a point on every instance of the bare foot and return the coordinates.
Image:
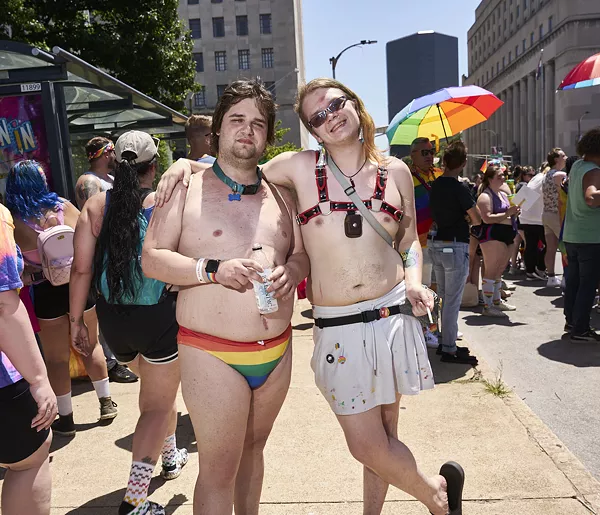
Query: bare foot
(439, 502)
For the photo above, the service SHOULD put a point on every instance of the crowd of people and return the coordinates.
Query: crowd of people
(152, 278)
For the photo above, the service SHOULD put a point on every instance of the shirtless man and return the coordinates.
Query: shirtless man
(361, 368)
(235, 363)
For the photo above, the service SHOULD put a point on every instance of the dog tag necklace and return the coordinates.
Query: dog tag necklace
(237, 189)
(353, 220)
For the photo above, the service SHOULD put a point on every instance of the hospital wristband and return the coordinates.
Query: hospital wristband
(199, 265)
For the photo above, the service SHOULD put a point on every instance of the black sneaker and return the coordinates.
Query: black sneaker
(589, 336)
(64, 426)
(459, 350)
(568, 328)
(459, 358)
(121, 374)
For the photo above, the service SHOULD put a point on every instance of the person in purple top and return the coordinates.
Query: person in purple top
(27, 403)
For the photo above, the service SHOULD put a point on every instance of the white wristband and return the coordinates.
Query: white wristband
(199, 265)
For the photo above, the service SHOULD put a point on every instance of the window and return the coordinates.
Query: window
(531, 39)
(504, 24)
(221, 61)
(541, 31)
(218, 27)
(216, 1)
(195, 28)
(220, 90)
(516, 51)
(518, 11)
(509, 57)
(198, 57)
(200, 97)
(497, 67)
(503, 62)
(241, 25)
(524, 5)
(550, 24)
(511, 18)
(524, 46)
(267, 57)
(244, 59)
(487, 76)
(193, 2)
(265, 24)
(271, 89)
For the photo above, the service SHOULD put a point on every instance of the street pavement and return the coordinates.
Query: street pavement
(559, 380)
(514, 464)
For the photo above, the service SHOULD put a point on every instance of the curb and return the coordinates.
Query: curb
(586, 486)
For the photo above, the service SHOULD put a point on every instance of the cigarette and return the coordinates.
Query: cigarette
(521, 203)
(429, 315)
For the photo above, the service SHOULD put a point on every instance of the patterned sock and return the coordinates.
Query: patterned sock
(169, 451)
(497, 294)
(102, 388)
(65, 405)
(487, 286)
(137, 489)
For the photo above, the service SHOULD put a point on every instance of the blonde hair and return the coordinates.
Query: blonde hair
(196, 123)
(372, 153)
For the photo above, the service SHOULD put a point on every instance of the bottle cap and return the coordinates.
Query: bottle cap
(256, 246)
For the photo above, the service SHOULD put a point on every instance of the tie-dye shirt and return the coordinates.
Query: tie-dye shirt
(11, 266)
(424, 219)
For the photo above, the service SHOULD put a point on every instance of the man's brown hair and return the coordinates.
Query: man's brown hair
(95, 144)
(455, 155)
(553, 156)
(365, 119)
(236, 92)
(589, 144)
(197, 125)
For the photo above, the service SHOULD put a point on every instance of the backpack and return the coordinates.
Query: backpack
(55, 249)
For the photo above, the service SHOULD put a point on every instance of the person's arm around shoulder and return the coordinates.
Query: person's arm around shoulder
(179, 172)
(283, 167)
(407, 241)
(87, 186)
(591, 187)
(84, 243)
(287, 277)
(558, 178)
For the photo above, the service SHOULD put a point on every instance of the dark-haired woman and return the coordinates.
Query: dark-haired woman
(498, 232)
(34, 209)
(136, 314)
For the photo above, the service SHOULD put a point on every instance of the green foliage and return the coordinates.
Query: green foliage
(142, 43)
(273, 150)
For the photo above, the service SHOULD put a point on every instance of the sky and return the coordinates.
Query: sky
(331, 25)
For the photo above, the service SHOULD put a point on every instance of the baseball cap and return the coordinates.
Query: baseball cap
(144, 146)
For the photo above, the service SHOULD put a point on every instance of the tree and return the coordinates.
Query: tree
(142, 43)
(273, 150)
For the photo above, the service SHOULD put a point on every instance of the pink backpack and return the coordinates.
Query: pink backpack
(55, 249)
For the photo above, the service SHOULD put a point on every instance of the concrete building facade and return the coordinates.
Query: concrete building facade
(521, 50)
(417, 65)
(247, 39)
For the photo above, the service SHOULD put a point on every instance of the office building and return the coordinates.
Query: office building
(418, 65)
(247, 39)
(521, 50)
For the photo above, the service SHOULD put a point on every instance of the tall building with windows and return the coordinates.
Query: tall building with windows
(521, 50)
(247, 39)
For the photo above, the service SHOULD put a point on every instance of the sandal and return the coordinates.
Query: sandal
(455, 479)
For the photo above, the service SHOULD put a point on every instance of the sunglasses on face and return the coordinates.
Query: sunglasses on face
(428, 152)
(319, 119)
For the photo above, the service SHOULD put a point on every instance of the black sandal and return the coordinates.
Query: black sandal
(454, 475)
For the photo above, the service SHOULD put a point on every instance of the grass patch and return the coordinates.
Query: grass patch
(496, 386)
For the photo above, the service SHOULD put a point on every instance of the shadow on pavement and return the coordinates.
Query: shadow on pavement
(80, 386)
(558, 302)
(581, 355)
(548, 292)
(307, 313)
(185, 436)
(447, 372)
(480, 321)
(303, 327)
(109, 503)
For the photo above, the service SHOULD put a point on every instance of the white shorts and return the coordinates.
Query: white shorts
(360, 366)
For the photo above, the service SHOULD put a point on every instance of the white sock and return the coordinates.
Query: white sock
(102, 388)
(65, 406)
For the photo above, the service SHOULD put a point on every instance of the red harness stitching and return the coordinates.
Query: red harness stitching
(377, 198)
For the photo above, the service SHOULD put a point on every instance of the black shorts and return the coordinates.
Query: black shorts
(18, 440)
(147, 330)
(51, 302)
(497, 232)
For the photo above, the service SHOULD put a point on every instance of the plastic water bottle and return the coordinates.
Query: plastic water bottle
(265, 300)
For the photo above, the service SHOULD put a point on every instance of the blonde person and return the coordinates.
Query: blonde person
(498, 232)
(551, 184)
(34, 208)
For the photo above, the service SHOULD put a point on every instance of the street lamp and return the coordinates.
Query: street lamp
(496, 136)
(579, 125)
(334, 60)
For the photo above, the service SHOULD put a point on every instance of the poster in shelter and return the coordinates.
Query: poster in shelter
(22, 135)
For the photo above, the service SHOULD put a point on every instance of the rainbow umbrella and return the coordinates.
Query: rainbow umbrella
(584, 75)
(443, 113)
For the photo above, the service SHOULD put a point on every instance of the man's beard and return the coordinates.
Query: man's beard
(245, 152)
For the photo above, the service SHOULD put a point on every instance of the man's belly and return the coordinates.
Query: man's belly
(217, 311)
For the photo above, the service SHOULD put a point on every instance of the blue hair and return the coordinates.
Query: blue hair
(27, 194)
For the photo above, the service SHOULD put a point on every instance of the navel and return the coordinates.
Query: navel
(217, 233)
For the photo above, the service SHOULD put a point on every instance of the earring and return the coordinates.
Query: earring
(322, 159)
(361, 136)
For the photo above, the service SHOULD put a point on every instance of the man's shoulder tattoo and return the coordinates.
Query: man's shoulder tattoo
(87, 188)
(410, 258)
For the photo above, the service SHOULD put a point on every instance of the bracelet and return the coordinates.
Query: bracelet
(199, 275)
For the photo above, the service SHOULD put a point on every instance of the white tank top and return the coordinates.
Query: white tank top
(104, 185)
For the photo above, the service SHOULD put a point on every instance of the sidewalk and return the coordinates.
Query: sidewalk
(514, 464)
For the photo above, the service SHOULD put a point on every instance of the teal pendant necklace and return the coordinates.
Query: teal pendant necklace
(237, 189)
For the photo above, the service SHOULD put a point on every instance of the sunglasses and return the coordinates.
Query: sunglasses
(428, 152)
(335, 105)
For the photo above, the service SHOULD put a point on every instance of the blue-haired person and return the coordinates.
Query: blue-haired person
(34, 209)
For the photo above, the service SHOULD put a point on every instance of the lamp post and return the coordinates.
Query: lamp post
(496, 136)
(579, 125)
(334, 60)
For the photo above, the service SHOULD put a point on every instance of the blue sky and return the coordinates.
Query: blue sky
(331, 25)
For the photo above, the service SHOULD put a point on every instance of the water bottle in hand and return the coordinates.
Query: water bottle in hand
(265, 300)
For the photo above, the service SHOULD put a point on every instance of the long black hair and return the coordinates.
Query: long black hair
(117, 246)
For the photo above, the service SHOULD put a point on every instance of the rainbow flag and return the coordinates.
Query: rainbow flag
(484, 166)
